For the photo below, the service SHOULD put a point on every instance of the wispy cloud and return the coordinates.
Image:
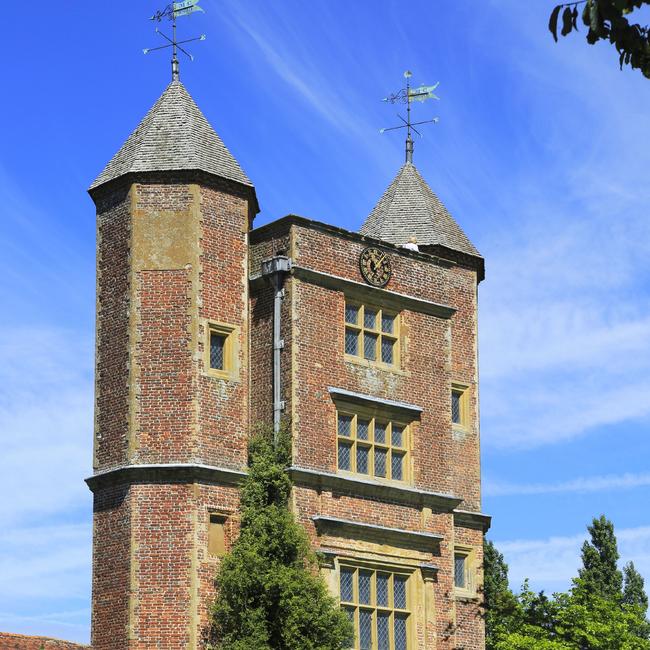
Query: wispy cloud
(46, 429)
(565, 314)
(270, 39)
(492, 488)
(46, 421)
(551, 563)
(43, 568)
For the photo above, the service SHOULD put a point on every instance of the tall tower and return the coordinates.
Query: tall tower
(172, 390)
(365, 342)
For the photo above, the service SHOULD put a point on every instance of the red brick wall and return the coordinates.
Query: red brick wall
(165, 414)
(223, 405)
(435, 351)
(10, 641)
(111, 567)
(464, 454)
(113, 267)
(152, 578)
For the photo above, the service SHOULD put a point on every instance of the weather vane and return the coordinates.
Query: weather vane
(406, 96)
(172, 12)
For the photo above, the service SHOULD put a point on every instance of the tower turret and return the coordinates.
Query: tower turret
(171, 410)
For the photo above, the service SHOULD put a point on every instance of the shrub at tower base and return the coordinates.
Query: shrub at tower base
(269, 593)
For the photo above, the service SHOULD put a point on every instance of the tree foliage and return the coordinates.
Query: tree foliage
(607, 20)
(599, 574)
(633, 588)
(598, 613)
(499, 602)
(269, 593)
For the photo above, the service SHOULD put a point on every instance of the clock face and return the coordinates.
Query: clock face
(375, 267)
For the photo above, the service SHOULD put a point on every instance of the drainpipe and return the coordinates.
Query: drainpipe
(275, 269)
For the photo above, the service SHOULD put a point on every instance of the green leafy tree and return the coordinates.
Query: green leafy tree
(599, 574)
(502, 610)
(607, 20)
(597, 623)
(568, 622)
(596, 614)
(269, 593)
(634, 596)
(633, 588)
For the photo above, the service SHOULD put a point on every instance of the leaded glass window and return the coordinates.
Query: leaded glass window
(377, 602)
(460, 571)
(371, 334)
(459, 405)
(221, 350)
(217, 351)
(372, 447)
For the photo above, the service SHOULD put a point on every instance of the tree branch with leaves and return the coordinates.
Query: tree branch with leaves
(607, 20)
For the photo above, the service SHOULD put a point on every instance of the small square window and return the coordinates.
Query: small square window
(377, 449)
(217, 350)
(217, 536)
(459, 406)
(463, 567)
(221, 353)
(460, 571)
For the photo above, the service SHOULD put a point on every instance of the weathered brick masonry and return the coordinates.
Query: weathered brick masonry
(10, 641)
(177, 261)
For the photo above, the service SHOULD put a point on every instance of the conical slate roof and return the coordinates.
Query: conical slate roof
(409, 208)
(174, 135)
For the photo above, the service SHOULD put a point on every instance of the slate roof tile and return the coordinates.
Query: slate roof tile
(174, 135)
(409, 208)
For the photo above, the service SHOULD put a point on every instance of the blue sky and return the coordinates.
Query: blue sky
(541, 154)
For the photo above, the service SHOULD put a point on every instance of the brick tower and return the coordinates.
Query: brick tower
(365, 343)
(173, 213)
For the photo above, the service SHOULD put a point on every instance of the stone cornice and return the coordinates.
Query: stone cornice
(371, 400)
(477, 520)
(390, 299)
(374, 489)
(361, 291)
(165, 473)
(375, 531)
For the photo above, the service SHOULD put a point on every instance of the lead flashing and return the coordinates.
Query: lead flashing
(373, 529)
(165, 473)
(476, 520)
(371, 399)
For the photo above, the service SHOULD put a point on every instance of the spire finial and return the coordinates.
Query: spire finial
(406, 96)
(171, 12)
